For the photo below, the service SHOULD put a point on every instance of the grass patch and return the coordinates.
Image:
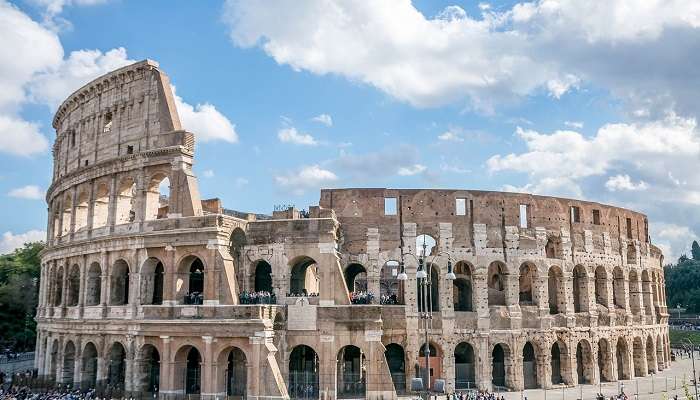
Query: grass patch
(678, 337)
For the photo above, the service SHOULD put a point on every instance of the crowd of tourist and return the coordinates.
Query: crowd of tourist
(474, 395)
(195, 298)
(303, 293)
(389, 299)
(261, 297)
(619, 396)
(361, 297)
(25, 393)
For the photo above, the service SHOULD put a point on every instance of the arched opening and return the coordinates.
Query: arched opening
(263, 277)
(580, 287)
(396, 359)
(499, 355)
(584, 362)
(434, 363)
(81, 211)
(605, 371)
(303, 373)
(58, 287)
(66, 214)
(100, 211)
(120, 283)
(53, 360)
(639, 358)
(634, 293)
(601, 286)
(618, 288)
(152, 276)
(462, 293)
(356, 278)
(631, 254)
(556, 364)
(646, 293)
(157, 197)
(88, 376)
(465, 376)
(529, 367)
(68, 364)
(116, 366)
(148, 370)
(497, 284)
(651, 356)
(236, 247)
(623, 360)
(193, 373)
(94, 285)
(555, 290)
(389, 284)
(189, 284)
(56, 213)
(426, 245)
(551, 248)
(236, 374)
(73, 286)
(528, 273)
(125, 201)
(304, 279)
(350, 372)
(433, 286)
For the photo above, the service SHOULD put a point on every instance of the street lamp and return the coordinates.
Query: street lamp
(424, 283)
(691, 346)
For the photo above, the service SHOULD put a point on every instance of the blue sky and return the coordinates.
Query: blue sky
(555, 97)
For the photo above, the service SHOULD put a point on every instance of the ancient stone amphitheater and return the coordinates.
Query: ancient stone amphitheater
(147, 288)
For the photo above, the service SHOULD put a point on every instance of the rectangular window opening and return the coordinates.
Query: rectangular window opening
(460, 206)
(390, 206)
(596, 217)
(575, 214)
(129, 149)
(523, 215)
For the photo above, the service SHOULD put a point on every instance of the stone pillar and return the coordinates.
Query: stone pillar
(73, 206)
(544, 368)
(78, 363)
(169, 276)
(112, 207)
(379, 383)
(481, 304)
(514, 374)
(373, 269)
(167, 372)
(327, 379)
(64, 283)
(484, 363)
(105, 285)
(208, 378)
(91, 208)
(211, 275)
(129, 365)
(448, 370)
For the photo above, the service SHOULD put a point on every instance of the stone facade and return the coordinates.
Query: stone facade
(145, 286)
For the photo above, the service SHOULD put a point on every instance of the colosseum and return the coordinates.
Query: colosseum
(147, 288)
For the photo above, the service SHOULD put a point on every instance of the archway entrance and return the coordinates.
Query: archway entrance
(651, 359)
(148, 370)
(350, 372)
(120, 283)
(88, 379)
(584, 362)
(116, 367)
(640, 368)
(263, 277)
(496, 284)
(68, 364)
(556, 353)
(304, 277)
(462, 292)
(464, 366)
(529, 367)
(236, 374)
(303, 373)
(499, 354)
(604, 361)
(435, 363)
(390, 288)
(396, 360)
(356, 278)
(193, 376)
(623, 360)
(580, 289)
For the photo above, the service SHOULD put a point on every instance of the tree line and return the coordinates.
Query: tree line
(683, 281)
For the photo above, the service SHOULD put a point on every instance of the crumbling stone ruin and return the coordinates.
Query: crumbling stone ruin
(145, 287)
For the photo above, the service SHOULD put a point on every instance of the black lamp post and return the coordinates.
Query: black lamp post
(424, 286)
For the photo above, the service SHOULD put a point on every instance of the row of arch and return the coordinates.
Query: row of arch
(66, 285)
(531, 366)
(89, 206)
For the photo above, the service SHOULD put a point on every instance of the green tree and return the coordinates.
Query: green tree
(695, 250)
(683, 283)
(19, 292)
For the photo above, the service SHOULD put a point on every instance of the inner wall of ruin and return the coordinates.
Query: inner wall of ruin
(145, 287)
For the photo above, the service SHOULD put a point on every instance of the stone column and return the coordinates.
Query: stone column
(544, 369)
(73, 206)
(327, 379)
(78, 364)
(64, 284)
(373, 269)
(448, 370)
(208, 378)
(91, 208)
(379, 383)
(169, 276)
(167, 372)
(484, 362)
(112, 207)
(514, 373)
(129, 365)
(481, 304)
(104, 278)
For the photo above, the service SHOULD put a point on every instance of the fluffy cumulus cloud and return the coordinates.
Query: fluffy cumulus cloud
(208, 123)
(324, 119)
(10, 241)
(291, 135)
(450, 136)
(307, 177)
(656, 153)
(399, 160)
(551, 45)
(411, 170)
(29, 192)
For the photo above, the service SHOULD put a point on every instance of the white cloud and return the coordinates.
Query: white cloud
(241, 182)
(10, 241)
(291, 135)
(208, 173)
(324, 119)
(574, 124)
(307, 177)
(21, 137)
(376, 165)
(205, 121)
(414, 169)
(450, 136)
(30, 192)
(672, 239)
(555, 45)
(624, 182)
